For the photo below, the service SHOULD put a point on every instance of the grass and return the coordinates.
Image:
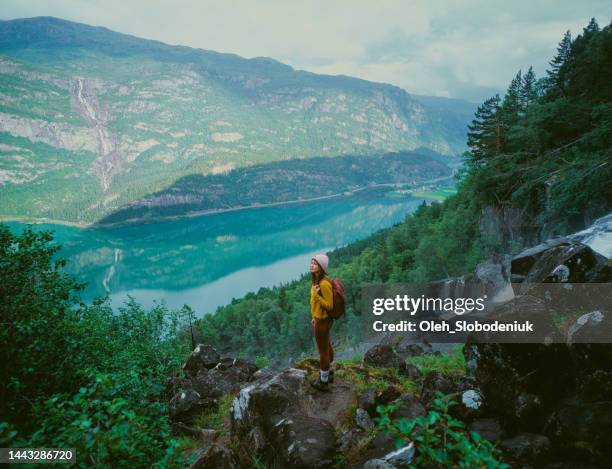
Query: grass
(262, 361)
(354, 360)
(440, 193)
(217, 419)
(257, 463)
(188, 442)
(363, 377)
(444, 363)
(379, 379)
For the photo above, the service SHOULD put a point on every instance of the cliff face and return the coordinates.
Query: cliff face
(542, 404)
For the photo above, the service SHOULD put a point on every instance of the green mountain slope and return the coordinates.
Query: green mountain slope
(92, 120)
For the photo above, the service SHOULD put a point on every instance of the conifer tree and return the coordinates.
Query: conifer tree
(484, 133)
(528, 93)
(555, 76)
(511, 105)
(592, 28)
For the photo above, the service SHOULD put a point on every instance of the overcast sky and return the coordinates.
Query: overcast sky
(466, 49)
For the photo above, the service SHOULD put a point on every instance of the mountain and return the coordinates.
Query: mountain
(92, 120)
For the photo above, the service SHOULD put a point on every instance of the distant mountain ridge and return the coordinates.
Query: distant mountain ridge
(92, 120)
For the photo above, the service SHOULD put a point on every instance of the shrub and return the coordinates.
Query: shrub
(440, 439)
(112, 422)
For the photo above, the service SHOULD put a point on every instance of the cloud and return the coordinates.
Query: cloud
(469, 49)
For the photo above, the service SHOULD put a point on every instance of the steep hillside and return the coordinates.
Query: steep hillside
(92, 120)
(285, 182)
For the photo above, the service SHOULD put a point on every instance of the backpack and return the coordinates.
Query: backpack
(338, 291)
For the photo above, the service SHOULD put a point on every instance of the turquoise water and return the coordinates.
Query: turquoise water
(206, 261)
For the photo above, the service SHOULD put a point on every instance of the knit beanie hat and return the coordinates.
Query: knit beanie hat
(323, 260)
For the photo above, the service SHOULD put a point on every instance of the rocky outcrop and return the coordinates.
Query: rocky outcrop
(598, 236)
(273, 419)
(217, 456)
(563, 262)
(382, 355)
(208, 377)
(507, 225)
(552, 401)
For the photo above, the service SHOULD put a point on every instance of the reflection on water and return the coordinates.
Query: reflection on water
(207, 297)
(206, 261)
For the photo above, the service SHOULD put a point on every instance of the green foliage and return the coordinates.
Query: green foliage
(38, 305)
(115, 421)
(354, 359)
(216, 419)
(83, 376)
(262, 361)
(484, 133)
(443, 363)
(547, 148)
(284, 181)
(367, 377)
(440, 439)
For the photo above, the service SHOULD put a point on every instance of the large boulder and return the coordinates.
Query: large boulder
(384, 356)
(188, 404)
(453, 383)
(302, 441)
(520, 383)
(523, 262)
(598, 236)
(527, 447)
(560, 262)
(217, 456)
(272, 418)
(488, 428)
(203, 356)
(266, 403)
(220, 380)
(582, 429)
(554, 396)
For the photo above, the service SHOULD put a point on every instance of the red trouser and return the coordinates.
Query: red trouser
(322, 328)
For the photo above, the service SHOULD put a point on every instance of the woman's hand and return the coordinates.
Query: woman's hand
(317, 288)
(312, 322)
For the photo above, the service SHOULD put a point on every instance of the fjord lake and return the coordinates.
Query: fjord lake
(206, 261)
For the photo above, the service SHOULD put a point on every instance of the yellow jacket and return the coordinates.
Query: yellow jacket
(320, 304)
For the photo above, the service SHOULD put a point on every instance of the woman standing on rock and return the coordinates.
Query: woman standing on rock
(322, 301)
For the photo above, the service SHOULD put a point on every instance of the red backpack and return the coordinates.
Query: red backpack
(338, 291)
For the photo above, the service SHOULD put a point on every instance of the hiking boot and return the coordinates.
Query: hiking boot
(320, 385)
(330, 379)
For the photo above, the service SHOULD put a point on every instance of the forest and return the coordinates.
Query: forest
(84, 376)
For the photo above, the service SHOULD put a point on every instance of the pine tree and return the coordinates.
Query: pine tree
(484, 133)
(283, 302)
(592, 28)
(528, 92)
(555, 75)
(511, 105)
